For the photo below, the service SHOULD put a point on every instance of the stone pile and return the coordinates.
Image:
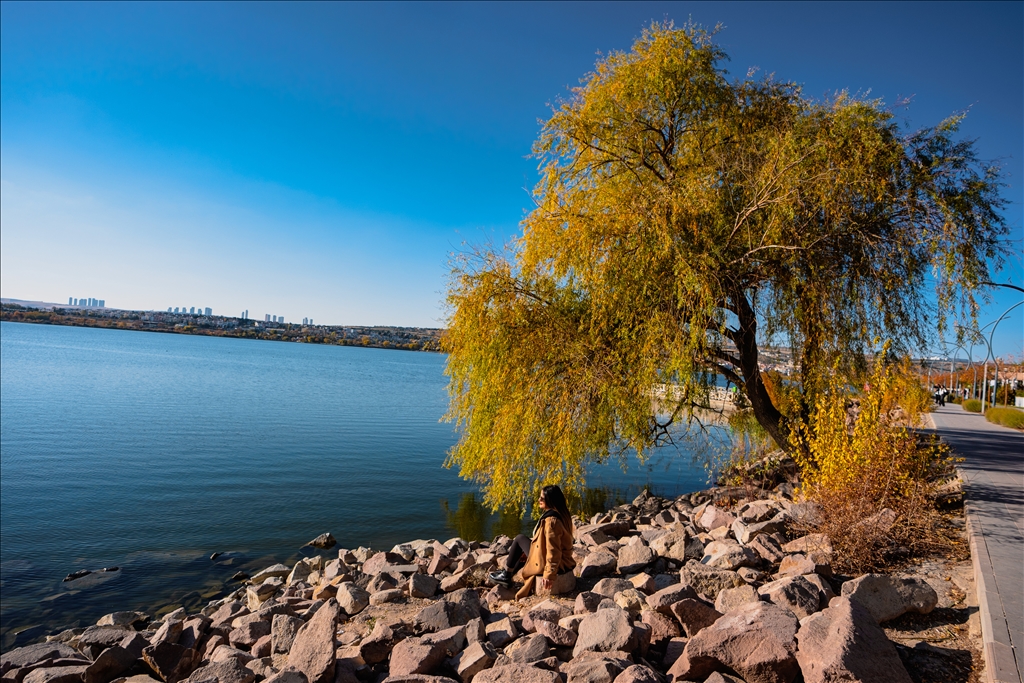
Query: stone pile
(707, 587)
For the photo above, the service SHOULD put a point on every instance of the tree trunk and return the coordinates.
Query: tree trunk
(765, 412)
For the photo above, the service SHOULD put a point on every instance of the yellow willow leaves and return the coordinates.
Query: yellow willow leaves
(682, 221)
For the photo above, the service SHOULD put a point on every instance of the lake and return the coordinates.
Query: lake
(149, 452)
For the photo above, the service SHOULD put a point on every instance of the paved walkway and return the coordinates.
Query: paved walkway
(993, 474)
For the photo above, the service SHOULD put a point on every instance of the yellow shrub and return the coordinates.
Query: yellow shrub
(1008, 417)
(858, 453)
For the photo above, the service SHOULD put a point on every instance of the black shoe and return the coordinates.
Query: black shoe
(502, 578)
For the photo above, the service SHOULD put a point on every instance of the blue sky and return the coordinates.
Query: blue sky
(323, 160)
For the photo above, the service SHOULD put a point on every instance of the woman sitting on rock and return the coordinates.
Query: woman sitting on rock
(548, 554)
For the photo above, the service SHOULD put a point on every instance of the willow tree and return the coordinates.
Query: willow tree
(683, 220)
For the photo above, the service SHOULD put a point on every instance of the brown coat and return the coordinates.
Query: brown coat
(550, 553)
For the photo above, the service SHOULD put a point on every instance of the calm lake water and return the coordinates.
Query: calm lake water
(149, 452)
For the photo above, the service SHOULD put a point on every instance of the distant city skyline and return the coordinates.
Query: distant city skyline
(325, 160)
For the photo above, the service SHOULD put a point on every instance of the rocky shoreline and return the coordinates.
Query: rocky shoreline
(718, 586)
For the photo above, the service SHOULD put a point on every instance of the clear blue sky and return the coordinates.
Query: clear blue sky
(322, 160)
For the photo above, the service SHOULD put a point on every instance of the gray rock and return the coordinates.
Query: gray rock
(609, 587)
(634, 557)
(731, 598)
(111, 663)
(638, 673)
(516, 673)
(888, 597)
(845, 643)
(501, 631)
(376, 647)
(767, 547)
(709, 580)
(287, 675)
(312, 651)
(475, 658)
(352, 599)
(56, 674)
(230, 671)
(694, 615)
(122, 618)
(282, 633)
(598, 563)
(795, 593)
(745, 533)
(277, 570)
(423, 586)
(729, 554)
(171, 662)
(596, 667)
(663, 600)
(556, 634)
(549, 610)
(323, 541)
(528, 649)
(30, 654)
(604, 631)
(587, 602)
(757, 641)
(386, 596)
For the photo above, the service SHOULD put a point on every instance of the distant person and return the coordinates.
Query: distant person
(548, 553)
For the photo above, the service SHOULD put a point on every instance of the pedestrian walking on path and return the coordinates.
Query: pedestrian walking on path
(993, 477)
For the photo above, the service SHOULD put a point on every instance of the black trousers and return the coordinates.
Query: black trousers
(518, 553)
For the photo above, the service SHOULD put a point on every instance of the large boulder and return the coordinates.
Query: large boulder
(56, 674)
(756, 641)
(888, 597)
(282, 632)
(728, 554)
(170, 661)
(605, 630)
(528, 649)
(422, 655)
(376, 647)
(633, 557)
(598, 563)
(324, 541)
(549, 610)
(745, 533)
(638, 673)
(556, 634)
(694, 615)
(312, 651)
(30, 654)
(714, 517)
(708, 580)
(731, 598)
(663, 600)
(516, 673)
(596, 667)
(351, 598)
(111, 663)
(844, 643)
(501, 631)
(475, 658)
(795, 593)
(231, 671)
(610, 586)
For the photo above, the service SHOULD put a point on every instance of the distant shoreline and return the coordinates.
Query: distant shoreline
(400, 338)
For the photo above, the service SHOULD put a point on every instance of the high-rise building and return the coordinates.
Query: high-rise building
(169, 309)
(268, 318)
(192, 311)
(103, 303)
(69, 301)
(310, 321)
(209, 311)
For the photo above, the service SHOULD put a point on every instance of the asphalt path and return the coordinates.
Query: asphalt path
(993, 475)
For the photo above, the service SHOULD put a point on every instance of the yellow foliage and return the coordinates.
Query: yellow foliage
(859, 453)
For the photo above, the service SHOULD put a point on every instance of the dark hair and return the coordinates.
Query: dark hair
(555, 499)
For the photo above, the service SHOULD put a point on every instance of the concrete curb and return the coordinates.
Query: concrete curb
(1000, 659)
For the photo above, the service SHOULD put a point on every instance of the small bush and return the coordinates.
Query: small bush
(972, 405)
(860, 466)
(1007, 417)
